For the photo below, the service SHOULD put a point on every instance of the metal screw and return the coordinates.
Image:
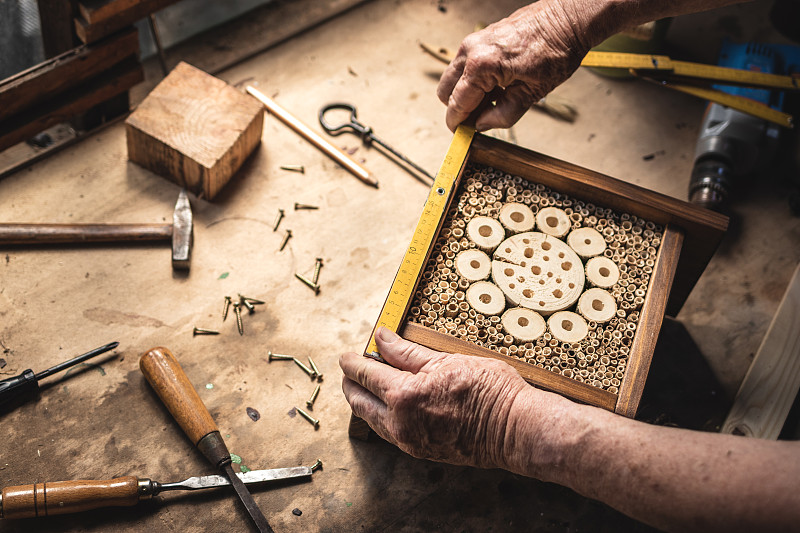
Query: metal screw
(286, 239)
(238, 310)
(201, 331)
(308, 417)
(225, 308)
(308, 282)
(317, 465)
(304, 206)
(315, 369)
(317, 268)
(278, 220)
(252, 300)
(279, 357)
(245, 302)
(294, 168)
(310, 401)
(305, 368)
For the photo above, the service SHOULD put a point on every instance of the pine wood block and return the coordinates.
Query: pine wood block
(194, 129)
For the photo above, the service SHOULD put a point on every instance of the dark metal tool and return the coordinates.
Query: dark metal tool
(27, 383)
(367, 137)
(64, 497)
(167, 378)
(179, 233)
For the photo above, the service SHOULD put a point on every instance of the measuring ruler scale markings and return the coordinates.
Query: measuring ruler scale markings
(394, 309)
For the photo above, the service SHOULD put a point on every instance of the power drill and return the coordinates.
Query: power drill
(732, 144)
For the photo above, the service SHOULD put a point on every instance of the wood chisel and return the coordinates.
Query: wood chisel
(169, 381)
(64, 497)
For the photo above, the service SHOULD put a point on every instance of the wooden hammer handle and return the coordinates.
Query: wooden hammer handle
(62, 497)
(79, 233)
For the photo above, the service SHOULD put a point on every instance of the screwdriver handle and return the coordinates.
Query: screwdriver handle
(167, 378)
(63, 497)
(17, 386)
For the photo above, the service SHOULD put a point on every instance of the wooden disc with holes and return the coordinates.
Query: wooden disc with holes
(602, 272)
(473, 265)
(553, 221)
(486, 298)
(486, 232)
(523, 324)
(538, 271)
(597, 305)
(517, 218)
(567, 326)
(587, 242)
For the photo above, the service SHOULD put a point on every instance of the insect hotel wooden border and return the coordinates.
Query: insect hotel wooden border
(690, 237)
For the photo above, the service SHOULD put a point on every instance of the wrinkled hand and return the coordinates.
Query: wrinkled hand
(527, 54)
(446, 407)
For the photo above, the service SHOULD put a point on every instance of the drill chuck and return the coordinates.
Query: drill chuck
(710, 182)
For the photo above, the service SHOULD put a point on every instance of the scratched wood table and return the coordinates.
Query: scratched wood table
(103, 420)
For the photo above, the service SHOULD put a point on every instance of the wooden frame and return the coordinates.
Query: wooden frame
(690, 238)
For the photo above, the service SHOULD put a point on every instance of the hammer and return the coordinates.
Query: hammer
(179, 233)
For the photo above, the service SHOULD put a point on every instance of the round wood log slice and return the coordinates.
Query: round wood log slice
(553, 221)
(597, 305)
(538, 271)
(602, 272)
(486, 298)
(486, 232)
(587, 242)
(473, 265)
(567, 326)
(523, 324)
(517, 218)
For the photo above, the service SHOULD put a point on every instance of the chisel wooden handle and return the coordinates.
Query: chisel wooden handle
(79, 233)
(169, 381)
(62, 497)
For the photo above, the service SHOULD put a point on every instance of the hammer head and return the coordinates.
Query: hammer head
(182, 233)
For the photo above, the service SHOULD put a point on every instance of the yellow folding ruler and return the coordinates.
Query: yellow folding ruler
(415, 258)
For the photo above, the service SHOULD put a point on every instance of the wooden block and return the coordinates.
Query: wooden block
(195, 130)
(771, 384)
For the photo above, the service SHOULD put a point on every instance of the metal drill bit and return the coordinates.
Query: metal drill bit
(298, 207)
(310, 401)
(278, 219)
(317, 268)
(315, 369)
(294, 168)
(305, 368)
(226, 307)
(314, 287)
(308, 417)
(203, 331)
(286, 239)
(238, 310)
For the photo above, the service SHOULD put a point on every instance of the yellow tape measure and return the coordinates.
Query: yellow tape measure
(394, 309)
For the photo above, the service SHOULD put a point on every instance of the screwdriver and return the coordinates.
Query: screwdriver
(167, 378)
(27, 382)
(63, 497)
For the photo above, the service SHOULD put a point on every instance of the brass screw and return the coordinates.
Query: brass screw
(315, 369)
(225, 308)
(286, 239)
(305, 368)
(245, 302)
(279, 357)
(317, 268)
(278, 219)
(294, 168)
(252, 300)
(314, 287)
(308, 417)
(201, 331)
(304, 206)
(310, 401)
(317, 465)
(238, 310)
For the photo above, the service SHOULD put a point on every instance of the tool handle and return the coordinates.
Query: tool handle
(17, 386)
(63, 497)
(80, 233)
(167, 378)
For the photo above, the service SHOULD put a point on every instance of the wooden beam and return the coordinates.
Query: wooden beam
(55, 21)
(112, 15)
(771, 384)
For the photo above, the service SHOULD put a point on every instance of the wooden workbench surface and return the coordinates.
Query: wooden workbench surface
(103, 420)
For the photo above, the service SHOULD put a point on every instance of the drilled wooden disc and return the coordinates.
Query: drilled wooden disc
(602, 272)
(486, 298)
(597, 305)
(553, 221)
(587, 242)
(567, 326)
(486, 232)
(538, 271)
(517, 218)
(523, 324)
(473, 265)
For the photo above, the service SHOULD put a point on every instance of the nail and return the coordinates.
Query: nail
(201, 331)
(315, 369)
(317, 465)
(304, 206)
(279, 357)
(286, 239)
(238, 310)
(225, 308)
(304, 367)
(310, 401)
(294, 168)
(317, 268)
(308, 417)
(308, 282)
(278, 220)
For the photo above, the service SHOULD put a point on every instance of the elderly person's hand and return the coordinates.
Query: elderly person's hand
(446, 407)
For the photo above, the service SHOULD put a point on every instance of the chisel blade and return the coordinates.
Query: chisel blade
(248, 501)
(254, 476)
